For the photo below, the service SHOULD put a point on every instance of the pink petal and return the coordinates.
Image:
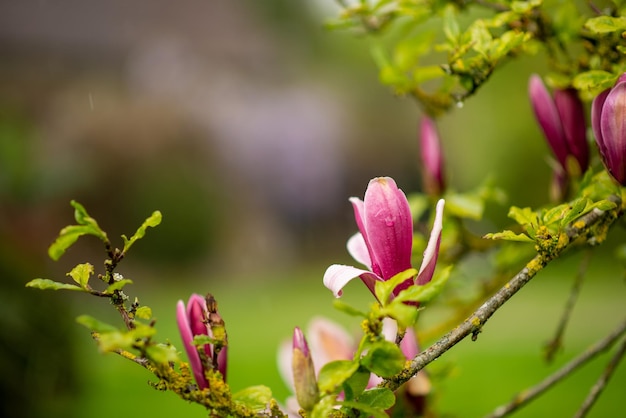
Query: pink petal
(409, 345)
(285, 355)
(187, 337)
(613, 126)
(548, 117)
(357, 248)
(432, 156)
(389, 227)
(328, 342)
(429, 262)
(337, 276)
(572, 115)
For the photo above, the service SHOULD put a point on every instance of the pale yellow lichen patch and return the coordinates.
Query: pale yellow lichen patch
(475, 321)
(534, 266)
(579, 224)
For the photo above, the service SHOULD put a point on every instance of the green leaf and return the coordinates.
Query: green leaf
(68, 235)
(124, 340)
(406, 315)
(367, 409)
(450, 24)
(382, 398)
(606, 24)
(335, 373)
(594, 82)
(425, 292)
(117, 285)
(152, 221)
(324, 407)
(578, 208)
(47, 284)
(95, 325)
(356, 384)
(384, 289)
(254, 397)
(161, 353)
(345, 308)
(524, 216)
(508, 236)
(81, 274)
(83, 218)
(143, 312)
(383, 358)
(66, 238)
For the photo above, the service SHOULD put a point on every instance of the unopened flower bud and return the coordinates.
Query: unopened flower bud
(608, 120)
(562, 120)
(196, 319)
(432, 157)
(304, 379)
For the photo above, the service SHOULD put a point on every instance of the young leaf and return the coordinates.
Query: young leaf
(81, 274)
(95, 325)
(382, 398)
(143, 312)
(426, 292)
(117, 285)
(383, 290)
(254, 397)
(356, 384)
(161, 353)
(404, 314)
(367, 409)
(383, 358)
(523, 216)
(152, 221)
(333, 374)
(324, 407)
(66, 238)
(47, 284)
(83, 218)
(508, 236)
(606, 24)
(345, 308)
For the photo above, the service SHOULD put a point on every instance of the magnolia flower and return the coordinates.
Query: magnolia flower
(608, 120)
(562, 120)
(432, 157)
(329, 342)
(194, 320)
(384, 243)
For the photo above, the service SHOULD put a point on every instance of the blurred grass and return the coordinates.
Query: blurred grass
(470, 380)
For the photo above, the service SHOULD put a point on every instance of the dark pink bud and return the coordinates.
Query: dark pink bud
(608, 120)
(432, 157)
(304, 380)
(562, 120)
(194, 320)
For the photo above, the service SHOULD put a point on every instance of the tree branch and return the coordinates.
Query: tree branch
(529, 394)
(553, 346)
(597, 389)
(582, 227)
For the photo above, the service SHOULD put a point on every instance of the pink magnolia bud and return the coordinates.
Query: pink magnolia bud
(608, 120)
(432, 157)
(562, 120)
(304, 380)
(194, 320)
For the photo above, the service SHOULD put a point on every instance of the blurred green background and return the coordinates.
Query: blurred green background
(248, 125)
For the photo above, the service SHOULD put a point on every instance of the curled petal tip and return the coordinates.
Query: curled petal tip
(431, 252)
